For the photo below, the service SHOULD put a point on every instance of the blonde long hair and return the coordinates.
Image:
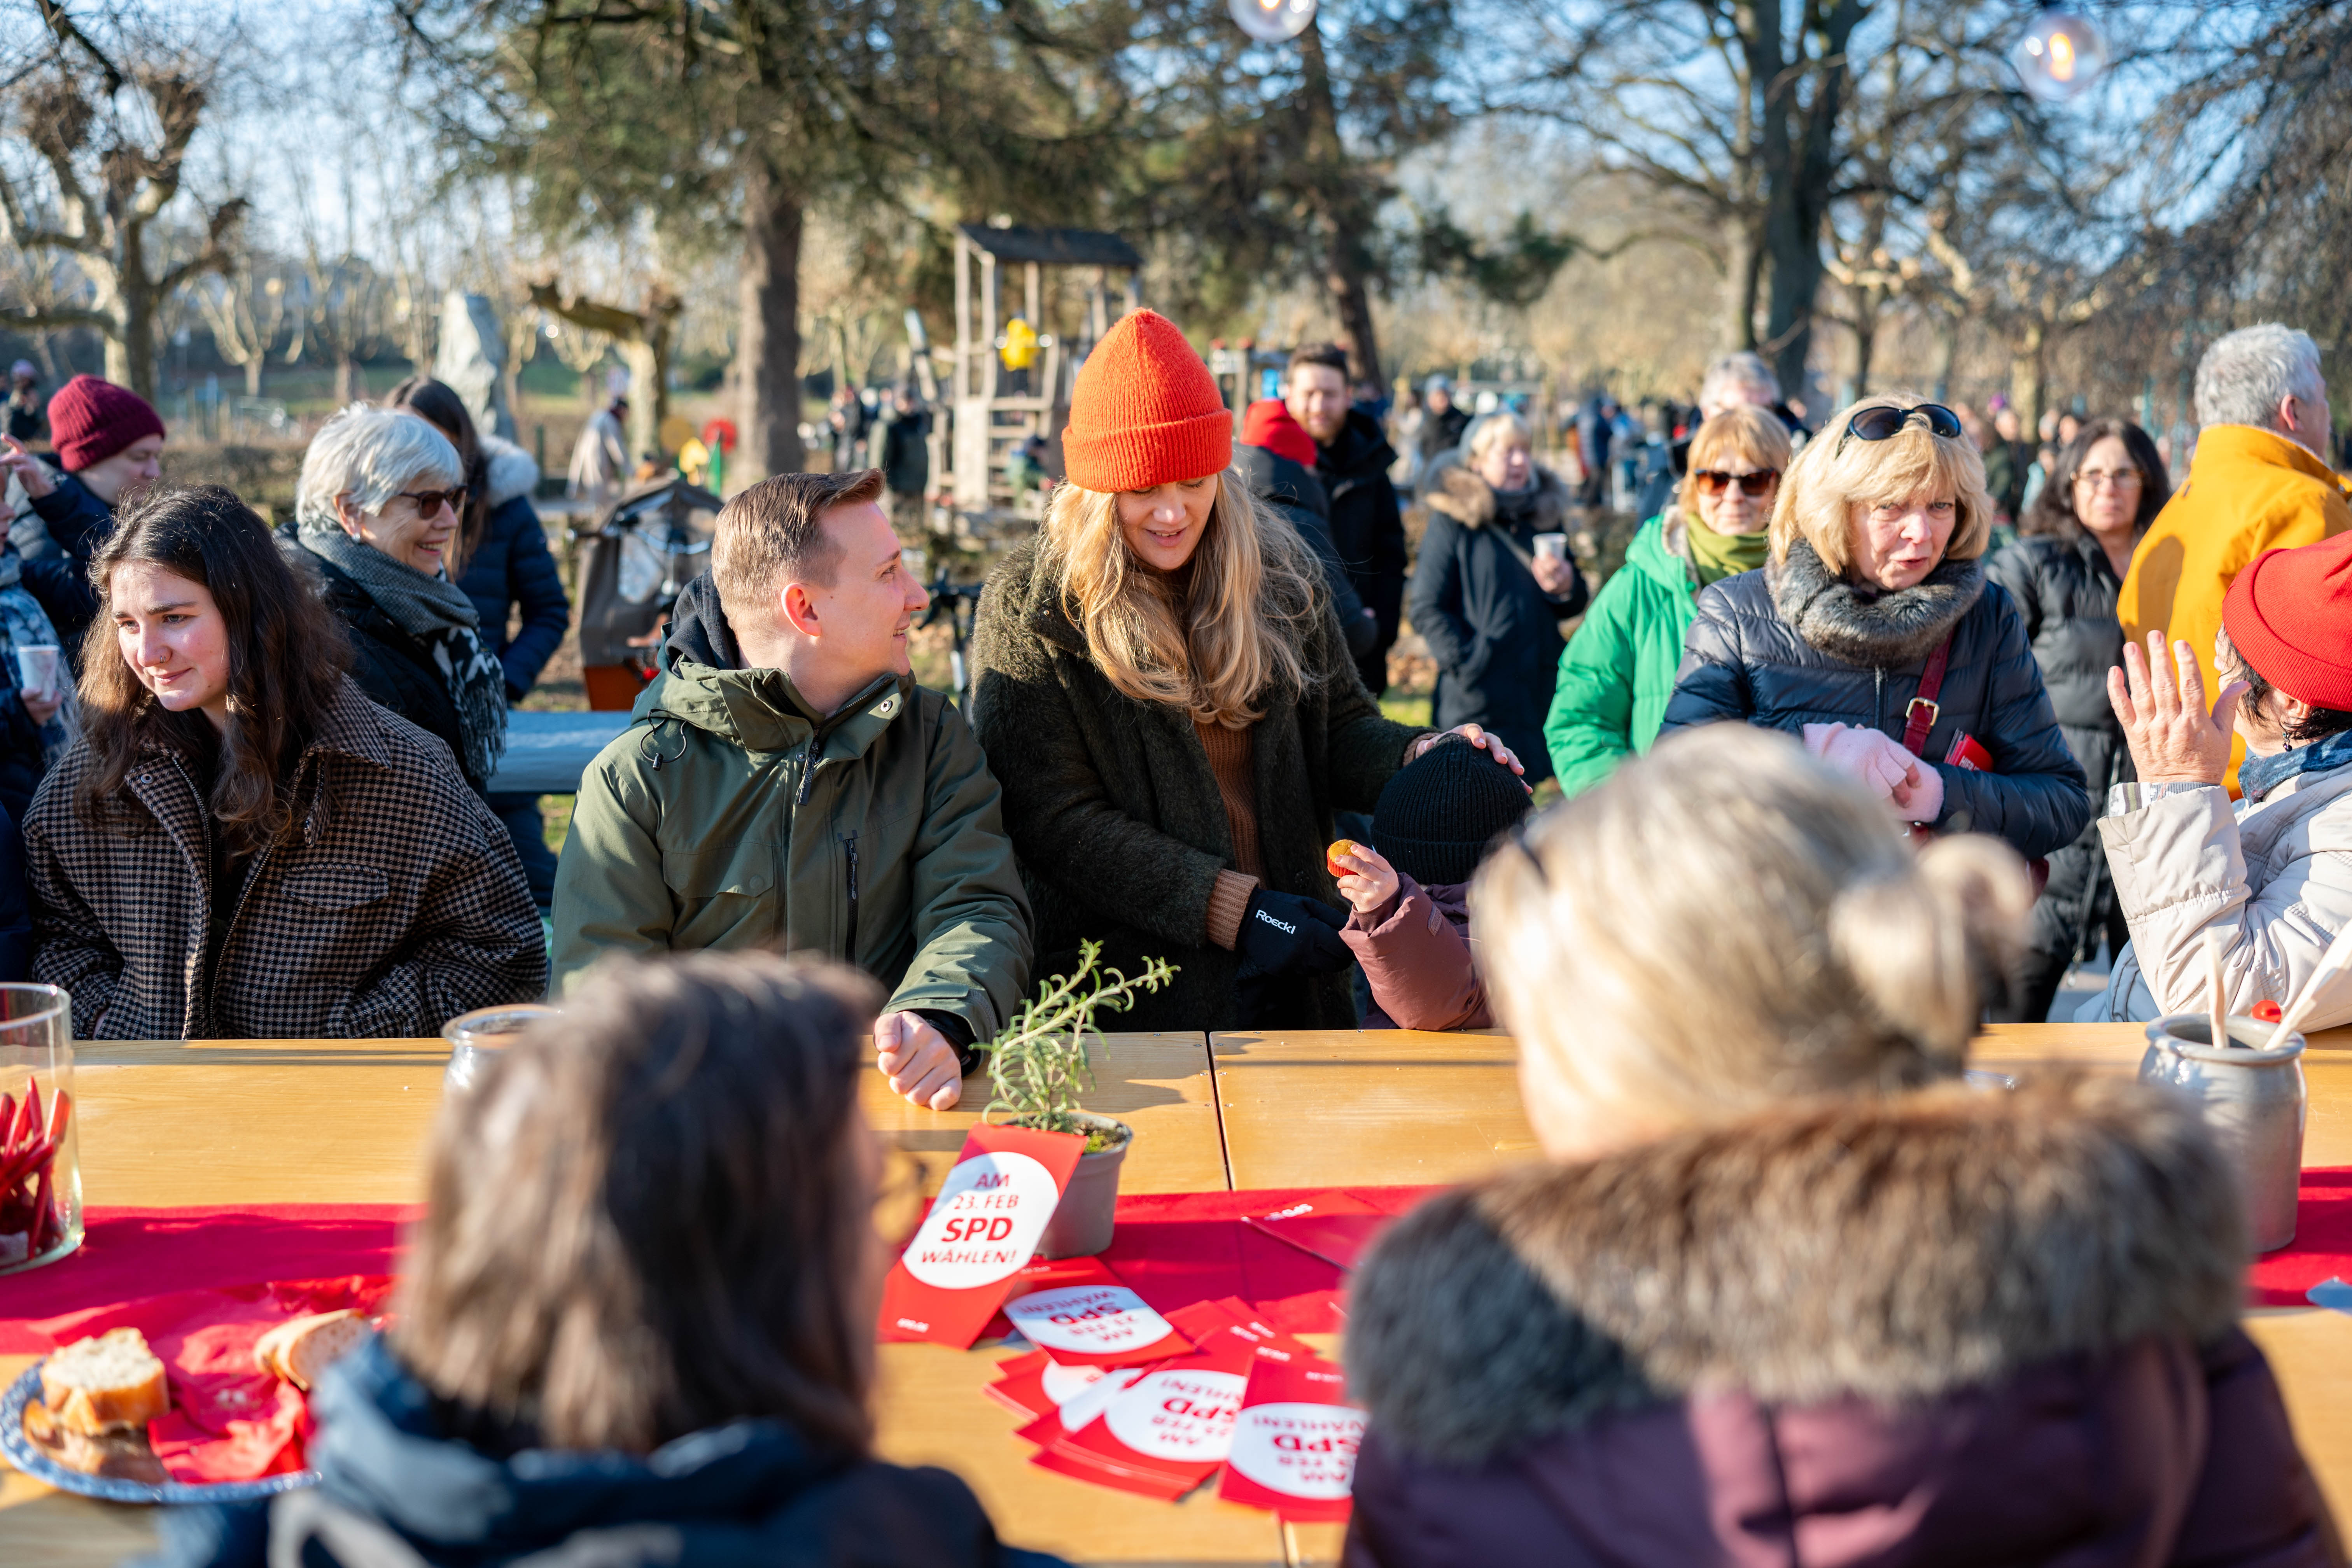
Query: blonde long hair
(1836, 470)
(1726, 922)
(1235, 633)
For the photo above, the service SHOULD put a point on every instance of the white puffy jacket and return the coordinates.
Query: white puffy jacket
(2277, 874)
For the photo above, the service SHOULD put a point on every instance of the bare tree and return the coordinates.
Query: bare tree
(643, 337)
(246, 308)
(110, 128)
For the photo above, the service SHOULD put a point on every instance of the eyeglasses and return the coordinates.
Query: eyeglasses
(1881, 421)
(1714, 481)
(430, 501)
(2122, 478)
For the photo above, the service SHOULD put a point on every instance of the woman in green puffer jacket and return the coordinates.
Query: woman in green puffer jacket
(1618, 670)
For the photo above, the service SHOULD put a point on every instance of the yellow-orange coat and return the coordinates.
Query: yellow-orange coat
(2249, 491)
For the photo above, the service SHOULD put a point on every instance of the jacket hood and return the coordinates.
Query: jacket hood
(1891, 1250)
(1867, 626)
(1452, 486)
(511, 470)
(1272, 477)
(2224, 451)
(378, 1450)
(703, 684)
(1359, 450)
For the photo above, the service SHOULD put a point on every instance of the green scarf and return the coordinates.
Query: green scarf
(1715, 555)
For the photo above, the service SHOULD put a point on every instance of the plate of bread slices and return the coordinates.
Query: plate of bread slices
(79, 1419)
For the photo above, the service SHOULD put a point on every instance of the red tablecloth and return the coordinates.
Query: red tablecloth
(1173, 1248)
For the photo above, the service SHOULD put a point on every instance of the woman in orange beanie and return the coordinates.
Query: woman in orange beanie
(1165, 695)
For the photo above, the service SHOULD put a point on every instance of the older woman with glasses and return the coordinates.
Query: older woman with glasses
(1872, 635)
(1619, 669)
(2107, 487)
(376, 513)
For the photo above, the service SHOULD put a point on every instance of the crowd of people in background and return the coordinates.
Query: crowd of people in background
(1882, 723)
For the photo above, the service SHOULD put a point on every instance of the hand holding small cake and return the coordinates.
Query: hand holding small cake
(1365, 880)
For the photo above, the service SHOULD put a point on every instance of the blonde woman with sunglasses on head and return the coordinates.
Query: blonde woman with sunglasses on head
(1872, 635)
(1619, 669)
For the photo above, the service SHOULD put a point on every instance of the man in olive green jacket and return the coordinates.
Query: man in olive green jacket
(786, 785)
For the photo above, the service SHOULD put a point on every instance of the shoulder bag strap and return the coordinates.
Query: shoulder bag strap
(1920, 717)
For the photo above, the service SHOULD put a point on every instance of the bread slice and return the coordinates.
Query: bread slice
(300, 1349)
(113, 1380)
(122, 1453)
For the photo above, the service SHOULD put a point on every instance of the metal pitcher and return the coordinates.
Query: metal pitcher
(2253, 1099)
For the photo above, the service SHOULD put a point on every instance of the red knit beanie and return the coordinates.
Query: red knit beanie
(2289, 615)
(1145, 412)
(1268, 424)
(90, 420)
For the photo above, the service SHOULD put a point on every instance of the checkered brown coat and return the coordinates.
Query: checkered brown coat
(401, 905)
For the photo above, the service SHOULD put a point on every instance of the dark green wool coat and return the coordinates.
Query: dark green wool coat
(1115, 814)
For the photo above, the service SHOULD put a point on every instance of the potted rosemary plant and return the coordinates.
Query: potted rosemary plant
(1037, 1067)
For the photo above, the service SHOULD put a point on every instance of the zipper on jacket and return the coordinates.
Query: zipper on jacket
(808, 773)
(849, 948)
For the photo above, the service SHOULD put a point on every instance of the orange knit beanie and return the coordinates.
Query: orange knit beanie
(1145, 411)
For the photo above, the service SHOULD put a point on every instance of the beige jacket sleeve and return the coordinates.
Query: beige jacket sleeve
(2180, 866)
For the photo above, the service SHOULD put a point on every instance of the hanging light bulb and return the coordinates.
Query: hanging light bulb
(2060, 55)
(1272, 21)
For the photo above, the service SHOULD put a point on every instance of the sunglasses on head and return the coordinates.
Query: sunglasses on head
(1714, 481)
(1881, 421)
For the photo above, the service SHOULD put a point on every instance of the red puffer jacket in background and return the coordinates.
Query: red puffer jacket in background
(1947, 1327)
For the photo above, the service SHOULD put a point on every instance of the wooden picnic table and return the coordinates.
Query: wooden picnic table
(1343, 1107)
(283, 1121)
(232, 1122)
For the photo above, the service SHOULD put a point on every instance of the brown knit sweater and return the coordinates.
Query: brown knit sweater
(1229, 760)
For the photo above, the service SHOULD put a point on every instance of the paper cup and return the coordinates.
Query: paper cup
(1553, 546)
(36, 668)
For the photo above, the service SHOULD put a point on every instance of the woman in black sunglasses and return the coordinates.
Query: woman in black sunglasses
(1873, 636)
(377, 516)
(1618, 673)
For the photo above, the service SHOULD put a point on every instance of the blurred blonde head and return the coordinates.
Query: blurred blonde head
(1836, 471)
(1725, 924)
(1215, 647)
(1743, 433)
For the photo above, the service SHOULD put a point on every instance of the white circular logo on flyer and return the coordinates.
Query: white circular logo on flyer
(985, 1223)
(1179, 1415)
(1302, 1450)
(1097, 1319)
(1063, 1383)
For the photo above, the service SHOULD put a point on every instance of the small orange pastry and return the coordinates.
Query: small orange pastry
(1339, 848)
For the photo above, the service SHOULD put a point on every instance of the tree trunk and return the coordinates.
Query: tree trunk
(253, 372)
(648, 395)
(1794, 241)
(1348, 271)
(1742, 259)
(2025, 378)
(1947, 351)
(1865, 339)
(767, 343)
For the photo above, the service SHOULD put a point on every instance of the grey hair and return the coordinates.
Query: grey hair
(2245, 374)
(1485, 430)
(1740, 372)
(371, 454)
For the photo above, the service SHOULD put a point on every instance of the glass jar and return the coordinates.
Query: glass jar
(485, 1030)
(40, 1169)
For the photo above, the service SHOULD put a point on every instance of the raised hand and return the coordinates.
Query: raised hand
(2173, 738)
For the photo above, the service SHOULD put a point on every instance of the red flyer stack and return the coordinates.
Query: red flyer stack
(980, 1233)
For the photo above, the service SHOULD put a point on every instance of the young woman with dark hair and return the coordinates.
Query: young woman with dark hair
(500, 560)
(2080, 531)
(640, 1312)
(241, 844)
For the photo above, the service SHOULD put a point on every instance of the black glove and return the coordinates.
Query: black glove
(1283, 933)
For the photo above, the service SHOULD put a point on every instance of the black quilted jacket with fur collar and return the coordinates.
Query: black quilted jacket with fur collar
(1949, 1327)
(1794, 645)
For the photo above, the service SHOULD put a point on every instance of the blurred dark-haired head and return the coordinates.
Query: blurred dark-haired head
(2054, 511)
(654, 1214)
(286, 656)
